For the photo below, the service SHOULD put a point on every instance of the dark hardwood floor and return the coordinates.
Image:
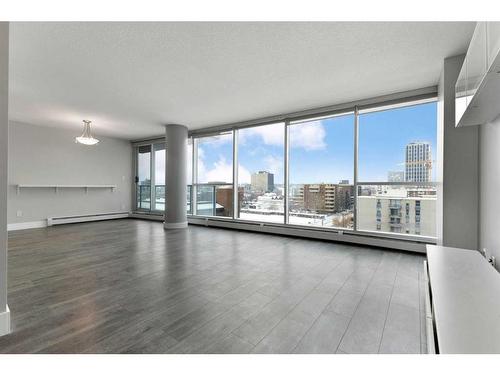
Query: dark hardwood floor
(128, 286)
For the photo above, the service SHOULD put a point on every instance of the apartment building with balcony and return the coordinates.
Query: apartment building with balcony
(398, 213)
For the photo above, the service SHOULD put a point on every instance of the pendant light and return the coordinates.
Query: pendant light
(86, 137)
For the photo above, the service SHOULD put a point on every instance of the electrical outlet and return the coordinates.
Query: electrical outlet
(19, 213)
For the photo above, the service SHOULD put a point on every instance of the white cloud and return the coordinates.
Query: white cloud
(221, 171)
(309, 136)
(274, 164)
(216, 140)
(272, 135)
(244, 176)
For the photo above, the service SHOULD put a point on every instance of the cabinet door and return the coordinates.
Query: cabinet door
(477, 64)
(493, 32)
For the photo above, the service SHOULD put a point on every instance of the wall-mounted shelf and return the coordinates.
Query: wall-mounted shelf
(57, 187)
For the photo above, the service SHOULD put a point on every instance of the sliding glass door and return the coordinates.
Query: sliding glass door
(150, 177)
(143, 178)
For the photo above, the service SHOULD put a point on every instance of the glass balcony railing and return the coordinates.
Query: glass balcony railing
(214, 200)
(159, 202)
(144, 197)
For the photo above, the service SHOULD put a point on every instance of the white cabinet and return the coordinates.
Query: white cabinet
(461, 99)
(493, 38)
(476, 62)
(477, 90)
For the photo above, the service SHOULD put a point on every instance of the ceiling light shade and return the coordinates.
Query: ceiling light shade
(86, 137)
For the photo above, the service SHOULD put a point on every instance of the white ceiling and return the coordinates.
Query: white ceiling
(130, 78)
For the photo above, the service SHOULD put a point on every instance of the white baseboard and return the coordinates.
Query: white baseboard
(66, 220)
(85, 218)
(175, 225)
(27, 225)
(5, 322)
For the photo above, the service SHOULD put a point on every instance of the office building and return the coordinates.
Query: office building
(263, 181)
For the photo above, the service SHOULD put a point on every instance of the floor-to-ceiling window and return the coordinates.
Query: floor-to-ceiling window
(396, 174)
(260, 171)
(214, 175)
(321, 172)
(363, 170)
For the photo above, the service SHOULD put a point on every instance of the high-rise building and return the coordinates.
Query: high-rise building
(395, 176)
(262, 181)
(418, 162)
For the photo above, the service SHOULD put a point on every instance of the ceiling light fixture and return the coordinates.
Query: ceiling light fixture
(86, 137)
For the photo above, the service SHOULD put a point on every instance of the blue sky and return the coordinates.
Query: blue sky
(383, 136)
(323, 151)
(320, 151)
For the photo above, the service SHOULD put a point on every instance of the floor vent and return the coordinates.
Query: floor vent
(83, 218)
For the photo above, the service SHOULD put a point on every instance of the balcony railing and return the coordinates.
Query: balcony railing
(144, 198)
(214, 200)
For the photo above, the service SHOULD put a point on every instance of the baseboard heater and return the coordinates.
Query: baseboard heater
(84, 218)
(338, 236)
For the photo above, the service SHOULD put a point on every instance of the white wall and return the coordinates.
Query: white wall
(43, 155)
(4, 146)
(489, 162)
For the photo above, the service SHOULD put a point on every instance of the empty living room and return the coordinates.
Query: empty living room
(249, 185)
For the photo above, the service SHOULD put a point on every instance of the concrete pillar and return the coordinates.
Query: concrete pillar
(175, 177)
(4, 147)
